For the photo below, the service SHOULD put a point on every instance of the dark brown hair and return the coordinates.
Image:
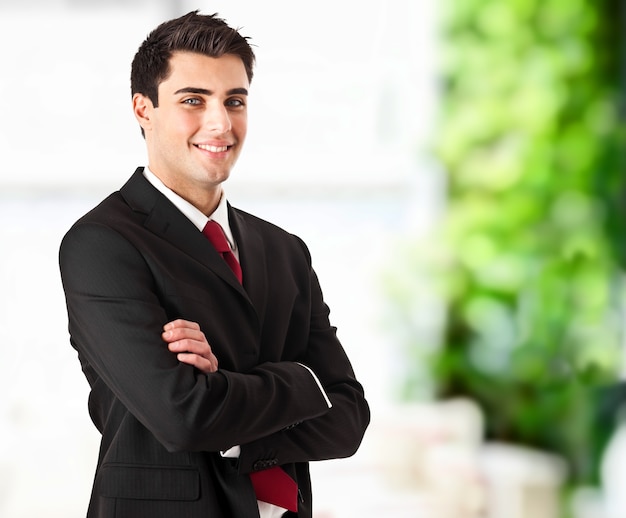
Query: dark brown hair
(193, 32)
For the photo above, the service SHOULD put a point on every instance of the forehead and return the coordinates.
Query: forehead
(190, 69)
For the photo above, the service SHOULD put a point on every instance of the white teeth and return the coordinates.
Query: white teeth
(213, 149)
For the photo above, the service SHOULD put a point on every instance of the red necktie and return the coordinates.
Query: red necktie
(271, 485)
(214, 233)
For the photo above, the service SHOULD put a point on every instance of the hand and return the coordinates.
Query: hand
(187, 340)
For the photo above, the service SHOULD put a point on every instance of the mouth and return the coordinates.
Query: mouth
(213, 149)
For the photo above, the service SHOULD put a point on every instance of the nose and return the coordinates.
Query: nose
(218, 118)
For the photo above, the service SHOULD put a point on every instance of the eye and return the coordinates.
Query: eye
(235, 103)
(192, 101)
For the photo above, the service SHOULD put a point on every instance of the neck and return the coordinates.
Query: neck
(206, 201)
(204, 198)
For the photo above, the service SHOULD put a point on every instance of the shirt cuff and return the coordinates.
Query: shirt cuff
(330, 405)
(232, 453)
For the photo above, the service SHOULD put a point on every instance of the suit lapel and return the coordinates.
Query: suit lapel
(166, 221)
(252, 257)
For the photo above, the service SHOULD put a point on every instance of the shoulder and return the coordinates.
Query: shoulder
(271, 234)
(98, 229)
(129, 205)
(109, 211)
(260, 224)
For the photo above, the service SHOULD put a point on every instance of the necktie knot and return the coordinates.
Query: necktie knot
(214, 233)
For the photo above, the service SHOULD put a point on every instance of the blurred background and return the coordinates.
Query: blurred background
(458, 172)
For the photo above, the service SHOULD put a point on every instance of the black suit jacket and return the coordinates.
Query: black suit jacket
(134, 263)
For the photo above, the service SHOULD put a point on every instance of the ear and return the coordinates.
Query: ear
(143, 108)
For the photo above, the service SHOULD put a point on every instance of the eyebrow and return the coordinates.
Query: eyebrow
(204, 91)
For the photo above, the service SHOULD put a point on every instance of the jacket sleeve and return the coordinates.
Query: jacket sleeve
(115, 322)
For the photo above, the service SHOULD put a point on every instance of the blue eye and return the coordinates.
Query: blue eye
(235, 103)
(192, 101)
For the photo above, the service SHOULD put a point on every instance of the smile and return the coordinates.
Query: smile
(212, 149)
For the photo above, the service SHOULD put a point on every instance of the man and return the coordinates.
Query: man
(212, 367)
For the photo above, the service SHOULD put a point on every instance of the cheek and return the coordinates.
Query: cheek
(186, 125)
(179, 124)
(240, 126)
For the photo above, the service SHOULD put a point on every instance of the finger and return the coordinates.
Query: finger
(200, 347)
(181, 323)
(206, 365)
(182, 333)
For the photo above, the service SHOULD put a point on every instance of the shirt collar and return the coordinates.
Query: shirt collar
(199, 219)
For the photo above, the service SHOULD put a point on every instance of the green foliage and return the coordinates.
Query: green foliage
(527, 258)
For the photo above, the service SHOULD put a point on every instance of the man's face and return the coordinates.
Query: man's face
(197, 131)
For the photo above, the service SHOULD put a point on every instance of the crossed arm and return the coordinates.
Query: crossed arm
(187, 340)
(201, 405)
